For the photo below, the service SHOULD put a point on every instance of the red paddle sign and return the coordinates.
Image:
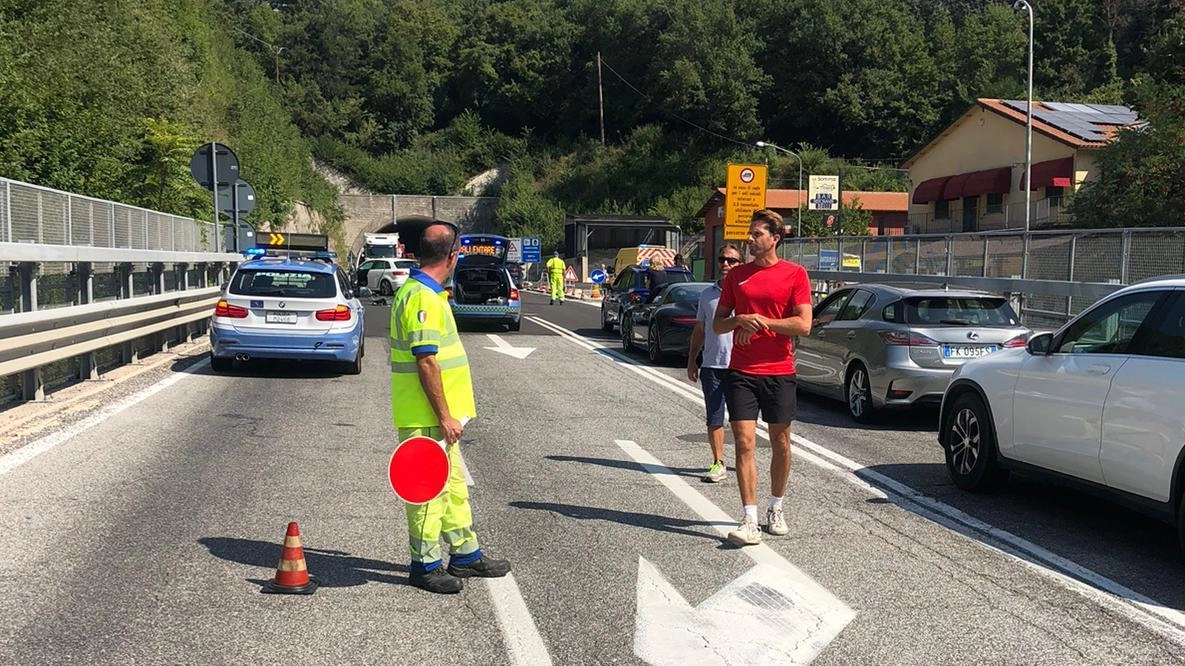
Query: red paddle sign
(419, 470)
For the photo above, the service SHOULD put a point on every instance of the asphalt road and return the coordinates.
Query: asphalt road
(145, 538)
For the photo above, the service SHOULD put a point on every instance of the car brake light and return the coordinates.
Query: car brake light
(514, 294)
(903, 339)
(224, 309)
(685, 320)
(635, 297)
(1019, 341)
(340, 313)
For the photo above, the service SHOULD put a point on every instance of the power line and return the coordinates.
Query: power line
(672, 113)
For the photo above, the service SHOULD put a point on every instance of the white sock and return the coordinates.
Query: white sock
(775, 502)
(751, 512)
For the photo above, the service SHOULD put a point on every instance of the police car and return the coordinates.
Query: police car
(481, 289)
(288, 308)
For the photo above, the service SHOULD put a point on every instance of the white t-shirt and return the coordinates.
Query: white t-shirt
(717, 348)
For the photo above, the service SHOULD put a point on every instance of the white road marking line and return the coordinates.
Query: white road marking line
(524, 645)
(26, 453)
(810, 615)
(1137, 607)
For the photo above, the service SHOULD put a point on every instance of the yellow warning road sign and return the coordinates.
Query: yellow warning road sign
(745, 194)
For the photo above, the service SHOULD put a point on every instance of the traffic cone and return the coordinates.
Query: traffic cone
(292, 575)
(596, 291)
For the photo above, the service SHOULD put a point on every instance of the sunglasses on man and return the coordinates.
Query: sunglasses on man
(728, 260)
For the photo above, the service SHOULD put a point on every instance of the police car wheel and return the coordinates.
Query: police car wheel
(353, 367)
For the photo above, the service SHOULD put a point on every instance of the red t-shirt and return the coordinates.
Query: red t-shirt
(774, 292)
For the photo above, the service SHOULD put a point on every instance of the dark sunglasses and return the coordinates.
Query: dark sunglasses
(728, 260)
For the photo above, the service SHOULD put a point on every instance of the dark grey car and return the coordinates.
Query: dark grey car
(879, 346)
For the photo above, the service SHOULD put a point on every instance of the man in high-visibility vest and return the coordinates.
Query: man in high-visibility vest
(431, 391)
(555, 272)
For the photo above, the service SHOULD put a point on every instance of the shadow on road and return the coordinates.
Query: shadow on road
(695, 472)
(645, 520)
(331, 568)
(281, 369)
(1053, 521)
(818, 410)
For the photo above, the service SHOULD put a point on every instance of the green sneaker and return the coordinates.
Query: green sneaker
(716, 473)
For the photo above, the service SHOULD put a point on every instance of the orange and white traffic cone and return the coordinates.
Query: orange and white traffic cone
(292, 575)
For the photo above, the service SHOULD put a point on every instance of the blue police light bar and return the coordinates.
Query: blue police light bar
(324, 255)
(255, 251)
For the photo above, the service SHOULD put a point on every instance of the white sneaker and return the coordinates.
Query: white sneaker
(716, 473)
(775, 522)
(746, 534)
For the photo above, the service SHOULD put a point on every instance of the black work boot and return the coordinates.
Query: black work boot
(437, 581)
(484, 567)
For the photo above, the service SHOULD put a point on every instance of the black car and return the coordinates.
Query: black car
(633, 285)
(664, 323)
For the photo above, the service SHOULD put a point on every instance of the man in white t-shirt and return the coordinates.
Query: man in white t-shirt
(714, 371)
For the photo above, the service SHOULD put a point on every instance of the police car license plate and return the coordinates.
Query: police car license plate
(281, 318)
(967, 351)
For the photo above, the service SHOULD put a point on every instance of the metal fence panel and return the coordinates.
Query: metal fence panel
(968, 256)
(4, 213)
(1098, 258)
(1154, 254)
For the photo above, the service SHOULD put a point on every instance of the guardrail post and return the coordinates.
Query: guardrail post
(127, 286)
(183, 282)
(33, 385)
(86, 283)
(204, 269)
(27, 274)
(157, 271)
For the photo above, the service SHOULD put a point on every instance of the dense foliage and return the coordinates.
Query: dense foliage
(419, 96)
(110, 99)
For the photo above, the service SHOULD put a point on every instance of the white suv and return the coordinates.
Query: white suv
(1101, 402)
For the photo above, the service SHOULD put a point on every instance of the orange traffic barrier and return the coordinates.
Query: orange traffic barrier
(292, 575)
(596, 291)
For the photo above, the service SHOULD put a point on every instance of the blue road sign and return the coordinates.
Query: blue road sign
(532, 250)
(829, 260)
(597, 276)
(823, 201)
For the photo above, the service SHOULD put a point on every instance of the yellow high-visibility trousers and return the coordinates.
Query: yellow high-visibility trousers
(448, 515)
(557, 287)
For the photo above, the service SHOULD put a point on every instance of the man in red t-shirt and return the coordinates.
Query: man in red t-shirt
(764, 304)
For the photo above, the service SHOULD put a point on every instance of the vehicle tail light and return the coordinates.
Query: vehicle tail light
(340, 313)
(514, 294)
(684, 320)
(899, 394)
(903, 339)
(1019, 341)
(635, 297)
(224, 309)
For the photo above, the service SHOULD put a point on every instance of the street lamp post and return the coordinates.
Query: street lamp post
(766, 144)
(1019, 5)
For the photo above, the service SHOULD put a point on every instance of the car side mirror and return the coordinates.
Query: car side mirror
(223, 286)
(1040, 344)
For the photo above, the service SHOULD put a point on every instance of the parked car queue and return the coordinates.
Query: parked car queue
(1095, 404)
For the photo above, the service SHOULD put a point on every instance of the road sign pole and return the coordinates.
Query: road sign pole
(214, 177)
(234, 202)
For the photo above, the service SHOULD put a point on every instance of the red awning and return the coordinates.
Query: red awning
(954, 187)
(929, 190)
(1055, 173)
(988, 181)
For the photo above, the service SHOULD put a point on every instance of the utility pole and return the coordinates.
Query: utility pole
(601, 98)
(276, 52)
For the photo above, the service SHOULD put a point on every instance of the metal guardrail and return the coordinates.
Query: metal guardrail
(1057, 274)
(161, 274)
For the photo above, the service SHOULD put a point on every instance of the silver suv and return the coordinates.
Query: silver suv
(878, 346)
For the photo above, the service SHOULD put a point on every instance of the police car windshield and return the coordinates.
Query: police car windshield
(288, 284)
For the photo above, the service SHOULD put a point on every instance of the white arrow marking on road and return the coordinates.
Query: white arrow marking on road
(773, 614)
(506, 348)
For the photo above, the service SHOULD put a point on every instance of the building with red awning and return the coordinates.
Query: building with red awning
(971, 176)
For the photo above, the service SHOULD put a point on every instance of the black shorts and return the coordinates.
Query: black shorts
(774, 396)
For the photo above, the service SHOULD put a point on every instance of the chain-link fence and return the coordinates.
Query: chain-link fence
(35, 214)
(1109, 256)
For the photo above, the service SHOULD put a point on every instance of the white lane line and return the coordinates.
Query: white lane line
(1137, 607)
(26, 453)
(811, 614)
(524, 645)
